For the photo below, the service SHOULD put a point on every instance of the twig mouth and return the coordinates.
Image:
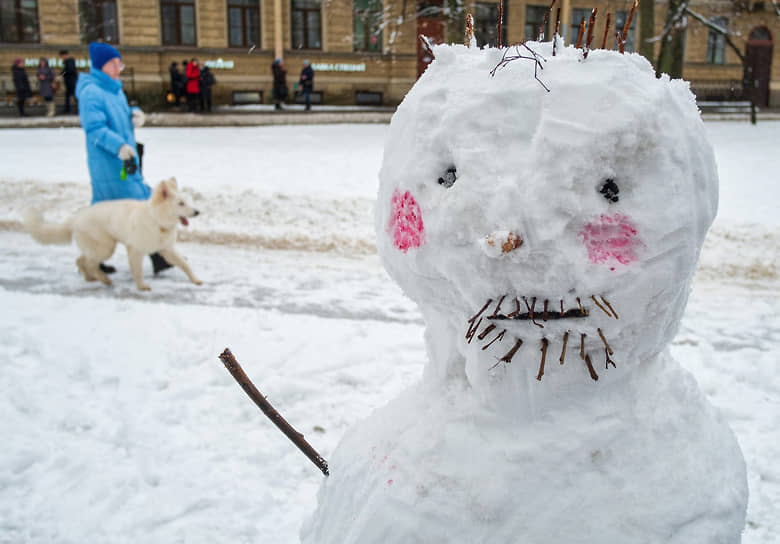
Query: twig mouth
(529, 316)
(534, 314)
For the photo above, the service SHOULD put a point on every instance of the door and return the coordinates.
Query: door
(758, 64)
(430, 23)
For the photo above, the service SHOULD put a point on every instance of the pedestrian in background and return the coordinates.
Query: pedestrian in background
(177, 82)
(280, 89)
(307, 83)
(193, 85)
(109, 124)
(70, 76)
(21, 85)
(46, 85)
(207, 81)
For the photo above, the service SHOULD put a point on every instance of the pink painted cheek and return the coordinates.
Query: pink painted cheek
(406, 224)
(611, 240)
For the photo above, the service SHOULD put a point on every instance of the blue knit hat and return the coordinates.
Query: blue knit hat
(101, 53)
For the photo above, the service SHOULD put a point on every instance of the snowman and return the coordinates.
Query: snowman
(545, 209)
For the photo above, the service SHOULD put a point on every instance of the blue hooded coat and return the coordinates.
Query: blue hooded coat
(107, 121)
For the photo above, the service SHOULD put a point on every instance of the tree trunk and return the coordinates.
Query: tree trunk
(670, 58)
(647, 29)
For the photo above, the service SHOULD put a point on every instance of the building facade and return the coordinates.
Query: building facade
(363, 51)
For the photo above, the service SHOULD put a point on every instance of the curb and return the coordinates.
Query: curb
(216, 119)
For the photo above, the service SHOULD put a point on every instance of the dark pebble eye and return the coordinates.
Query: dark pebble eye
(448, 179)
(609, 190)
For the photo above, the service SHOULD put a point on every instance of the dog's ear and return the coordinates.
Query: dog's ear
(172, 183)
(161, 192)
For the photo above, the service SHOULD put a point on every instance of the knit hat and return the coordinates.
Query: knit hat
(101, 53)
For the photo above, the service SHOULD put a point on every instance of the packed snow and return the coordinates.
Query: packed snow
(120, 424)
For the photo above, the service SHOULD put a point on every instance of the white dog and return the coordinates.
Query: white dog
(143, 226)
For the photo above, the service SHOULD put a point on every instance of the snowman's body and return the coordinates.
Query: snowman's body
(550, 239)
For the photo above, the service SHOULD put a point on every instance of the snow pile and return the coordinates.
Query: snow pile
(550, 239)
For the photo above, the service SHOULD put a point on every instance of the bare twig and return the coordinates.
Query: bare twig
(469, 30)
(246, 384)
(591, 27)
(511, 353)
(427, 45)
(580, 33)
(563, 349)
(606, 31)
(484, 333)
(506, 58)
(606, 344)
(611, 309)
(500, 21)
(540, 35)
(544, 353)
(591, 370)
(602, 308)
(498, 337)
(624, 34)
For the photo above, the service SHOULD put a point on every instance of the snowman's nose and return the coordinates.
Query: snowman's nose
(502, 242)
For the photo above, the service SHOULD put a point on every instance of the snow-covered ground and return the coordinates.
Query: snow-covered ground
(118, 422)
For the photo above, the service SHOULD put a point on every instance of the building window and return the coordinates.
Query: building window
(98, 21)
(534, 17)
(367, 35)
(486, 24)
(716, 42)
(620, 22)
(19, 21)
(577, 15)
(178, 22)
(243, 22)
(306, 19)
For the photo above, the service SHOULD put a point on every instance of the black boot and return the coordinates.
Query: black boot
(107, 268)
(159, 263)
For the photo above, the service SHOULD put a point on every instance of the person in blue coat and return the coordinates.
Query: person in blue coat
(109, 122)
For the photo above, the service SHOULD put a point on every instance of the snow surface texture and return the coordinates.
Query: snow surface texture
(498, 199)
(94, 377)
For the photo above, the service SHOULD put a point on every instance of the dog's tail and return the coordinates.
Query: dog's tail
(46, 233)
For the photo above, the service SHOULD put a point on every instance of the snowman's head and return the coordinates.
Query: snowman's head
(521, 220)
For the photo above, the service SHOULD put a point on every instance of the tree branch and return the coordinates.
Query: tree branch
(246, 384)
(719, 29)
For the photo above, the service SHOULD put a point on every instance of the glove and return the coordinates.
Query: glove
(126, 152)
(139, 118)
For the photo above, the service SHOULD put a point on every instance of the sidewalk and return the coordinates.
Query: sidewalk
(228, 116)
(231, 116)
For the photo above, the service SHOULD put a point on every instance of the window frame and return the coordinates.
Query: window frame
(246, 8)
(483, 23)
(177, 5)
(99, 14)
(716, 42)
(371, 16)
(536, 23)
(305, 29)
(19, 25)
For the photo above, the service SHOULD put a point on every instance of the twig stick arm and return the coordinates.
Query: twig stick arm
(246, 384)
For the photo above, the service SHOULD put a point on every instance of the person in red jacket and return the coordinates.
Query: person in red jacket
(193, 85)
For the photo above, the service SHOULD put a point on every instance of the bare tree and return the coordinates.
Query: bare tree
(670, 58)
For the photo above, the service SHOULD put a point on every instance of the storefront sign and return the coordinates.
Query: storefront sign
(341, 67)
(220, 64)
(55, 62)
